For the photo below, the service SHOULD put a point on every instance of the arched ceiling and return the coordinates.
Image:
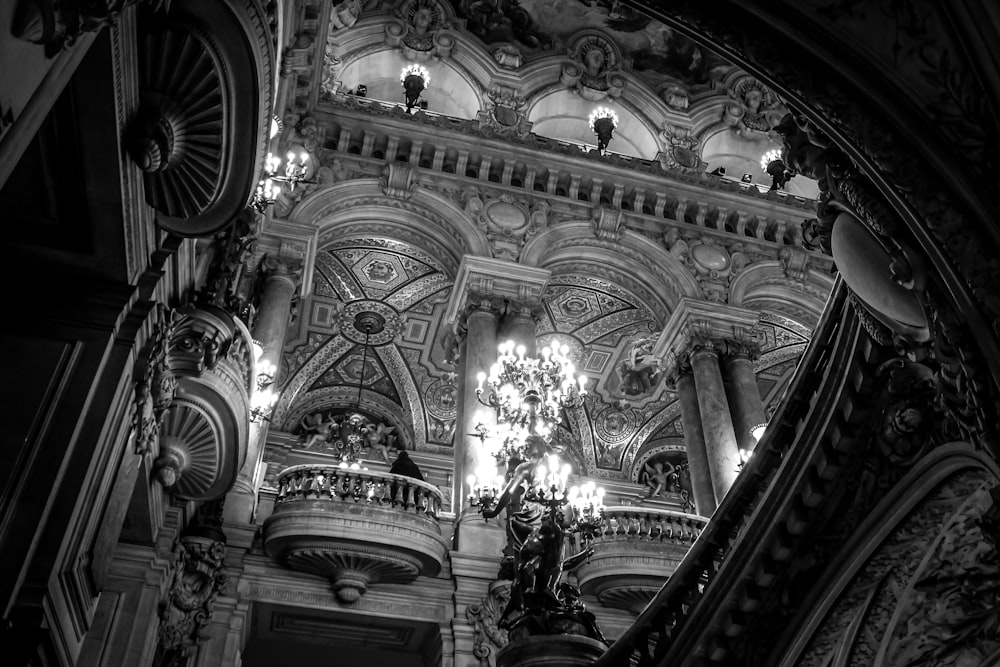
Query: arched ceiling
(391, 241)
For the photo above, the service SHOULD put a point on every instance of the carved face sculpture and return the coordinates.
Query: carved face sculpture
(752, 100)
(594, 60)
(422, 20)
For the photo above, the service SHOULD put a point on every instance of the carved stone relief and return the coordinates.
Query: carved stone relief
(594, 72)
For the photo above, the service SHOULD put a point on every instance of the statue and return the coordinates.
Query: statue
(379, 437)
(318, 429)
(640, 370)
(536, 531)
(657, 479)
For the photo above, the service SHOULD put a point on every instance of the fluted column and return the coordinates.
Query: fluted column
(694, 443)
(479, 353)
(720, 437)
(269, 330)
(747, 407)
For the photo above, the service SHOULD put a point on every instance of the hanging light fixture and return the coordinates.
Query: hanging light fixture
(269, 187)
(603, 122)
(774, 166)
(264, 397)
(415, 79)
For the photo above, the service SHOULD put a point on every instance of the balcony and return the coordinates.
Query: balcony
(355, 527)
(638, 549)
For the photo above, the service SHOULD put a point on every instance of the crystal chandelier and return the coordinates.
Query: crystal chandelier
(603, 122)
(528, 396)
(769, 157)
(268, 188)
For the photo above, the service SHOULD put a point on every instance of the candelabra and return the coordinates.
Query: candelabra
(587, 503)
(269, 188)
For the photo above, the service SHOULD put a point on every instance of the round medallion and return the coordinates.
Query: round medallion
(710, 257)
(442, 400)
(375, 321)
(614, 426)
(506, 216)
(505, 115)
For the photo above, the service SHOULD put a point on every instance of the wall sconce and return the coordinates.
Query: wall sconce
(415, 79)
(603, 122)
(263, 398)
(269, 187)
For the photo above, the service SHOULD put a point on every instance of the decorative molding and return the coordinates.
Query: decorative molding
(494, 279)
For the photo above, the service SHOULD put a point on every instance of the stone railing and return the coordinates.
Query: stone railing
(344, 484)
(701, 603)
(638, 523)
(355, 527)
(635, 552)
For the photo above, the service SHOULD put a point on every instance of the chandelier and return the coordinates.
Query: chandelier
(415, 79)
(603, 122)
(587, 503)
(264, 397)
(528, 396)
(769, 157)
(269, 187)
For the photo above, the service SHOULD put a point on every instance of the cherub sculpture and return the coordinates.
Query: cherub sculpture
(318, 429)
(380, 438)
(657, 479)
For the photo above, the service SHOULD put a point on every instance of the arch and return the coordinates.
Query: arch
(350, 207)
(764, 286)
(655, 274)
(451, 91)
(563, 115)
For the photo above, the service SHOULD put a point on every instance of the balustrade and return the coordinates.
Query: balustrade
(356, 527)
(349, 485)
(637, 523)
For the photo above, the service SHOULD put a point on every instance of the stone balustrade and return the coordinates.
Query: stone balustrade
(638, 523)
(344, 484)
(355, 527)
(635, 551)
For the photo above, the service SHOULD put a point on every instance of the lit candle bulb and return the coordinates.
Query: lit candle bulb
(481, 376)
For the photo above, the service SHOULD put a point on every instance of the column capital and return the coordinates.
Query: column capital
(482, 279)
(290, 269)
(700, 325)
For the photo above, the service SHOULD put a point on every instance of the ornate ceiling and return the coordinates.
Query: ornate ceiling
(392, 217)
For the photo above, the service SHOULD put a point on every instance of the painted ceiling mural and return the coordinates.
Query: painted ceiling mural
(406, 381)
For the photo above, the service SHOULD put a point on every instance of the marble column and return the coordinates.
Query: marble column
(269, 331)
(720, 437)
(694, 442)
(479, 353)
(744, 396)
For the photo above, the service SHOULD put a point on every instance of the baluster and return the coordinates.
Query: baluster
(397, 496)
(337, 491)
(409, 504)
(420, 501)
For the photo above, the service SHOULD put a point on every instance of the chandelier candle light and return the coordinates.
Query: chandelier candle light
(415, 79)
(603, 122)
(269, 187)
(263, 398)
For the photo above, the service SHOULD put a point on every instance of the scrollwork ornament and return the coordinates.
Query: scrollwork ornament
(154, 390)
(197, 581)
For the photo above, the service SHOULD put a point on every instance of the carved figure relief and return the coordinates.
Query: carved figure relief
(639, 371)
(595, 68)
(420, 30)
(154, 390)
(347, 435)
(754, 109)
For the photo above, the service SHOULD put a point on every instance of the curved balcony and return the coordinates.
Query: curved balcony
(637, 550)
(204, 433)
(355, 527)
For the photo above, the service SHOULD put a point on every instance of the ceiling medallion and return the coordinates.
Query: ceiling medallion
(375, 321)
